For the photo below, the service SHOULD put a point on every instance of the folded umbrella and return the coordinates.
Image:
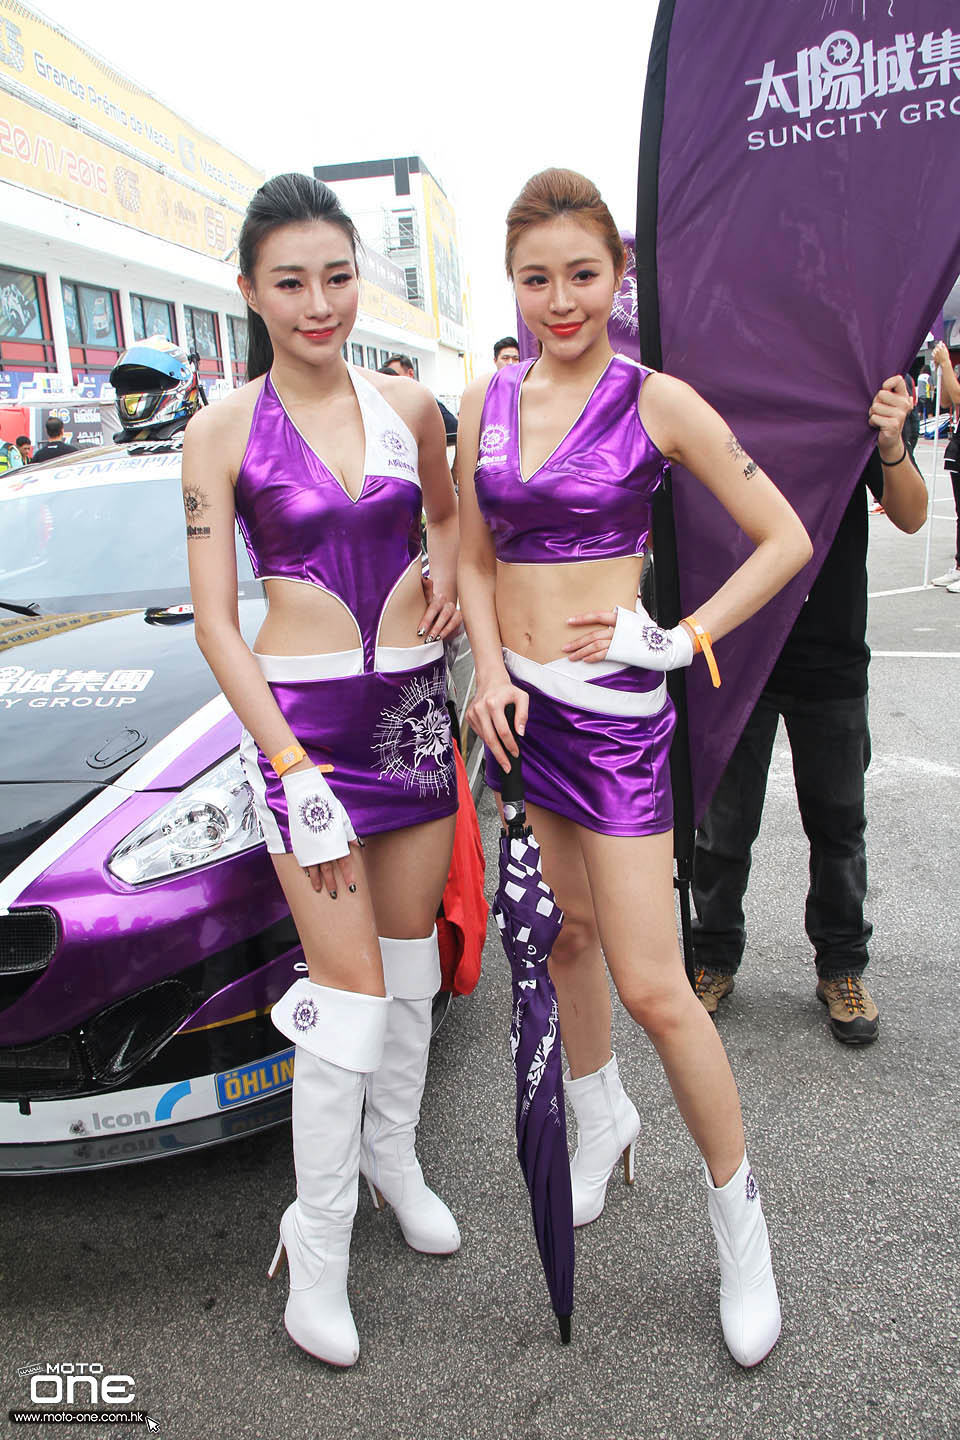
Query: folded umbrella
(529, 920)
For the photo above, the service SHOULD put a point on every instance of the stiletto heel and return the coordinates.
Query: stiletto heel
(607, 1129)
(276, 1261)
(375, 1196)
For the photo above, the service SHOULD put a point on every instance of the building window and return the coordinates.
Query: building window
(356, 352)
(416, 367)
(152, 317)
(384, 357)
(92, 315)
(371, 357)
(412, 276)
(203, 336)
(237, 337)
(94, 332)
(344, 351)
(26, 342)
(406, 232)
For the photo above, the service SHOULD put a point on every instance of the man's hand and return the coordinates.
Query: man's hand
(888, 410)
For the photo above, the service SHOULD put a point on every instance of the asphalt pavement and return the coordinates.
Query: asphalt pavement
(158, 1271)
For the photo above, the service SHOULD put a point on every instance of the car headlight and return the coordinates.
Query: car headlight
(214, 817)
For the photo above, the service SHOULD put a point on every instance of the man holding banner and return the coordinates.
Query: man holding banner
(819, 685)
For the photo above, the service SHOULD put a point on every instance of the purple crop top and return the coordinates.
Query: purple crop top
(590, 499)
(299, 523)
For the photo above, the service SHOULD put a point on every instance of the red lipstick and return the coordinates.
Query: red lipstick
(562, 331)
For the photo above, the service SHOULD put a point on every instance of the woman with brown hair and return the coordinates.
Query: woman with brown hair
(559, 459)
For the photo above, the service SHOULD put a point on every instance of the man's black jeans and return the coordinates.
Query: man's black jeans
(830, 741)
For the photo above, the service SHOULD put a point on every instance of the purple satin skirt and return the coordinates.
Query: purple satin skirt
(596, 750)
(386, 733)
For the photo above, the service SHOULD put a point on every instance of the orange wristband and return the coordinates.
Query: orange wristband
(702, 643)
(282, 761)
(293, 754)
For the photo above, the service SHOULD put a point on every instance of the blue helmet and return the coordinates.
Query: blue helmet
(156, 386)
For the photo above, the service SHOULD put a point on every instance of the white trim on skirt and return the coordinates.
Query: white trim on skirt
(572, 681)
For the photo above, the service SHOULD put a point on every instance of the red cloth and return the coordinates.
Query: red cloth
(462, 922)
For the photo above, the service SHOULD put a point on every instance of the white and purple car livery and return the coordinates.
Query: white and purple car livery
(143, 935)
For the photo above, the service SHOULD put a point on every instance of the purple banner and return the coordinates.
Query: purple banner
(805, 201)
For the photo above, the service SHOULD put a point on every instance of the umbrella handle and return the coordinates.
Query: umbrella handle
(511, 785)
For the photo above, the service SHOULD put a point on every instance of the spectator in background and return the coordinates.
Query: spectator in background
(950, 397)
(10, 457)
(56, 445)
(506, 352)
(924, 393)
(25, 446)
(403, 365)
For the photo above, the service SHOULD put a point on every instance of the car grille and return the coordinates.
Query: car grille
(28, 942)
(51, 1068)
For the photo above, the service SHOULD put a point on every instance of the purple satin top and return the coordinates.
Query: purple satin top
(590, 499)
(299, 523)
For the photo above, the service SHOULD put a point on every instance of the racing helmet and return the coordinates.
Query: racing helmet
(157, 387)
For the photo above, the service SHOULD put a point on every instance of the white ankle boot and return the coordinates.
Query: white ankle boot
(388, 1160)
(607, 1127)
(749, 1306)
(339, 1039)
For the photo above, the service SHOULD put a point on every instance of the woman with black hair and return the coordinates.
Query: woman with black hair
(346, 735)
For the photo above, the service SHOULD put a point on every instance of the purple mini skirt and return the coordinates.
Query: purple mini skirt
(386, 733)
(597, 744)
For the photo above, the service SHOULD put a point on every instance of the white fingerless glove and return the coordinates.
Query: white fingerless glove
(320, 828)
(638, 640)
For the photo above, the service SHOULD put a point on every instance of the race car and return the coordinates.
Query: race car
(143, 934)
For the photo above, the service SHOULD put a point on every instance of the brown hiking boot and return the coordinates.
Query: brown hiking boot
(710, 987)
(854, 1018)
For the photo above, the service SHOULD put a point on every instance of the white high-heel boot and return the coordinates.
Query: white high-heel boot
(339, 1039)
(607, 1127)
(388, 1160)
(749, 1305)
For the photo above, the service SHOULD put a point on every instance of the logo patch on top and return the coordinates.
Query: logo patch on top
(752, 1188)
(394, 442)
(494, 437)
(395, 452)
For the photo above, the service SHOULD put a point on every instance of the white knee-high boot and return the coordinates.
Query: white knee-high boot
(339, 1039)
(388, 1160)
(607, 1127)
(749, 1305)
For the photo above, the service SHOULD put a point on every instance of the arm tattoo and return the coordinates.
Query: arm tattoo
(195, 505)
(734, 447)
(737, 453)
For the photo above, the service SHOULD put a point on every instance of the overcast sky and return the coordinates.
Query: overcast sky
(487, 94)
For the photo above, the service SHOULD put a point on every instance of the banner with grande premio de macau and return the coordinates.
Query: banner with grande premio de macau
(73, 127)
(798, 233)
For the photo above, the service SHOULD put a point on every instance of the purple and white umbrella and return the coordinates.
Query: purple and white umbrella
(529, 920)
